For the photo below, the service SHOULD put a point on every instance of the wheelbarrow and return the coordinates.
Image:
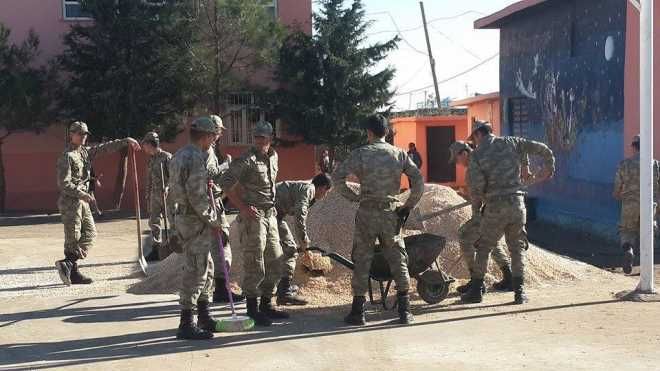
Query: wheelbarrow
(423, 252)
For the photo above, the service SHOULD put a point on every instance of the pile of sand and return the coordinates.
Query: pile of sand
(331, 224)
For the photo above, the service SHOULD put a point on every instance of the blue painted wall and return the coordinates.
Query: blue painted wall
(565, 61)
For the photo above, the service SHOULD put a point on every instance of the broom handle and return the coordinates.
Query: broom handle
(137, 199)
(164, 199)
(222, 256)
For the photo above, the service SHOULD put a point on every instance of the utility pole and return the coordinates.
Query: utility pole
(431, 60)
(646, 284)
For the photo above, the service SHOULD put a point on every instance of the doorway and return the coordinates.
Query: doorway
(438, 140)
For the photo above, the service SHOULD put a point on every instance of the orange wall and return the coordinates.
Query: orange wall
(413, 129)
(30, 160)
(631, 83)
(488, 110)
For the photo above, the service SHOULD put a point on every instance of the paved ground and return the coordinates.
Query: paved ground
(44, 325)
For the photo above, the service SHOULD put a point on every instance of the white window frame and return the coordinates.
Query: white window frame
(275, 7)
(245, 137)
(73, 2)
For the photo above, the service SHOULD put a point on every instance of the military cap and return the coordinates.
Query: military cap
(206, 124)
(263, 129)
(218, 121)
(635, 139)
(478, 124)
(79, 127)
(151, 136)
(376, 123)
(456, 148)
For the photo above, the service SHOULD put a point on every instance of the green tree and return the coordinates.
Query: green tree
(25, 92)
(233, 39)
(130, 70)
(329, 80)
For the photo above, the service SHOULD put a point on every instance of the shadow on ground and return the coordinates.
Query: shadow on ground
(15, 220)
(306, 323)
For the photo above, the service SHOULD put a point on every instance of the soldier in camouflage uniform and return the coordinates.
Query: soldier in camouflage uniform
(496, 188)
(256, 172)
(294, 199)
(215, 169)
(379, 166)
(197, 225)
(626, 189)
(157, 177)
(469, 232)
(73, 180)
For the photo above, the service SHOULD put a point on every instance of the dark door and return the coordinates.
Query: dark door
(438, 140)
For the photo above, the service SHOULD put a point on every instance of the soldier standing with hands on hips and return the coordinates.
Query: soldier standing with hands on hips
(256, 172)
(379, 165)
(73, 179)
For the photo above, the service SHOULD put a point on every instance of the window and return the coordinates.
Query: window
(519, 116)
(242, 115)
(72, 10)
(271, 8)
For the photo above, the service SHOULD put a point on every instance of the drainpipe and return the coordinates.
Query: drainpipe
(646, 284)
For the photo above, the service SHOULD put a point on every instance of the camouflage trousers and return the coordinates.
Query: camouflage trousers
(289, 248)
(382, 224)
(502, 216)
(468, 235)
(156, 213)
(197, 282)
(79, 228)
(629, 223)
(197, 239)
(262, 253)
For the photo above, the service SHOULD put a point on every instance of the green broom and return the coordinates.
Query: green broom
(235, 323)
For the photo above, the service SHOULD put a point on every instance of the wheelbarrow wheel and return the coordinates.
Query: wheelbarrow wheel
(432, 287)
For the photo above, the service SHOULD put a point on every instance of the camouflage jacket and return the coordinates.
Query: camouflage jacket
(155, 181)
(188, 186)
(379, 166)
(626, 181)
(75, 164)
(495, 166)
(295, 198)
(256, 174)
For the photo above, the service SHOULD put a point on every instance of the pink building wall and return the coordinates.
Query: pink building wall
(30, 159)
(631, 83)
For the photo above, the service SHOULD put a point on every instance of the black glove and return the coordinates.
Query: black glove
(403, 213)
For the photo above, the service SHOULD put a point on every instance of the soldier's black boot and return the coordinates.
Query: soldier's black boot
(188, 330)
(403, 302)
(220, 293)
(260, 319)
(519, 289)
(474, 293)
(204, 319)
(628, 257)
(505, 284)
(64, 270)
(266, 307)
(464, 288)
(154, 255)
(78, 278)
(356, 316)
(286, 295)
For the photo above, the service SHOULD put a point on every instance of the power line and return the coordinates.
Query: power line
(434, 20)
(470, 52)
(452, 77)
(402, 37)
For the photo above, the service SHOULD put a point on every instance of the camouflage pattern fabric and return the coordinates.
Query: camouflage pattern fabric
(262, 253)
(379, 167)
(197, 223)
(494, 179)
(626, 185)
(73, 180)
(293, 198)
(215, 170)
(468, 235)
(154, 189)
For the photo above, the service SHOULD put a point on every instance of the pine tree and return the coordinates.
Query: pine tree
(328, 81)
